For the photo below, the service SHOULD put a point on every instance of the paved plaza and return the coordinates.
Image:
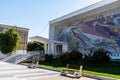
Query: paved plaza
(63, 78)
(20, 72)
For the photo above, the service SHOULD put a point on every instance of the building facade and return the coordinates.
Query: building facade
(97, 25)
(23, 35)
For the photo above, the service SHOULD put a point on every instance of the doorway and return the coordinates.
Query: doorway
(59, 49)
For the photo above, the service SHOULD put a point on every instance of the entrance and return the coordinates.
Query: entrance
(59, 49)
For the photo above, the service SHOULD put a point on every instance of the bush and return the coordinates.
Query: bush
(100, 56)
(87, 58)
(48, 58)
(74, 55)
(64, 58)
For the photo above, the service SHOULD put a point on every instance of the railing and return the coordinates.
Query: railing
(29, 55)
(17, 58)
(114, 56)
(9, 57)
(20, 59)
(40, 53)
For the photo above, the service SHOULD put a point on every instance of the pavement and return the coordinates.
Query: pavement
(20, 72)
(63, 78)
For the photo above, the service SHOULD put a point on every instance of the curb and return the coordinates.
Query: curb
(98, 77)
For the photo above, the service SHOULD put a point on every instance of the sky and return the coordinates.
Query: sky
(36, 14)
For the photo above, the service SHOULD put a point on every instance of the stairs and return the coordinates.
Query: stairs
(20, 57)
(13, 58)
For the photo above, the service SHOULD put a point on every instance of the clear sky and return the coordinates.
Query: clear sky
(36, 14)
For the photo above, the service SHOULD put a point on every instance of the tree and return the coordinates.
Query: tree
(9, 40)
(35, 46)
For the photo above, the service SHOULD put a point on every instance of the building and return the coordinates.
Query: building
(23, 35)
(80, 30)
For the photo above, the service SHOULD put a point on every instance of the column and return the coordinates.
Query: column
(45, 48)
(52, 48)
(64, 47)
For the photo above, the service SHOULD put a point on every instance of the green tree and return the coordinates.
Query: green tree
(9, 40)
(35, 46)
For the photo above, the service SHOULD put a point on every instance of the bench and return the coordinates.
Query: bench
(70, 71)
(34, 63)
(32, 66)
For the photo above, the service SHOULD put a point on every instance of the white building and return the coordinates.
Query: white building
(81, 29)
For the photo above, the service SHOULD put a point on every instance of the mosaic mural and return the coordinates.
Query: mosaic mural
(76, 34)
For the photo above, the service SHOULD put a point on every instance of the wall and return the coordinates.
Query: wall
(100, 30)
(23, 40)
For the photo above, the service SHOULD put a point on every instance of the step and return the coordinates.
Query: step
(12, 68)
(14, 72)
(11, 78)
(36, 75)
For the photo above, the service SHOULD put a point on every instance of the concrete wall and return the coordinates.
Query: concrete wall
(102, 28)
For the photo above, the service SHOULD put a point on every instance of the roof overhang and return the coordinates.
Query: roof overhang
(91, 10)
(44, 40)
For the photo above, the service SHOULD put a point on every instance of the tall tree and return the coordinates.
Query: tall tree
(35, 46)
(9, 40)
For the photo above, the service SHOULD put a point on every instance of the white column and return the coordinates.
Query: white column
(64, 47)
(45, 48)
(52, 48)
(49, 48)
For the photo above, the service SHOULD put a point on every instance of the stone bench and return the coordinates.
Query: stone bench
(71, 71)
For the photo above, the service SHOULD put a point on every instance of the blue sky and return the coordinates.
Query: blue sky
(36, 14)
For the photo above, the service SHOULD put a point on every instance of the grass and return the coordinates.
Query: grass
(92, 70)
(111, 69)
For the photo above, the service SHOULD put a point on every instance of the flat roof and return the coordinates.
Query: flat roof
(3, 25)
(88, 9)
(44, 40)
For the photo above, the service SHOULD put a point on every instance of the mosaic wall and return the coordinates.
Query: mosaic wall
(81, 34)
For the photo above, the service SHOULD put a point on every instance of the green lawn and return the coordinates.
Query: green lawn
(111, 69)
(92, 70)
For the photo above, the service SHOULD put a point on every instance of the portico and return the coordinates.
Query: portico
(51, 46)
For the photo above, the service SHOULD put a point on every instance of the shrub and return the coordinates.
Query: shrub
(64, 58)
(74, 55)
(48, 58)
(100, 55)
(87, 58)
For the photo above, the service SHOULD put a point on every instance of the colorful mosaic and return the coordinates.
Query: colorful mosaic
(77, 34)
